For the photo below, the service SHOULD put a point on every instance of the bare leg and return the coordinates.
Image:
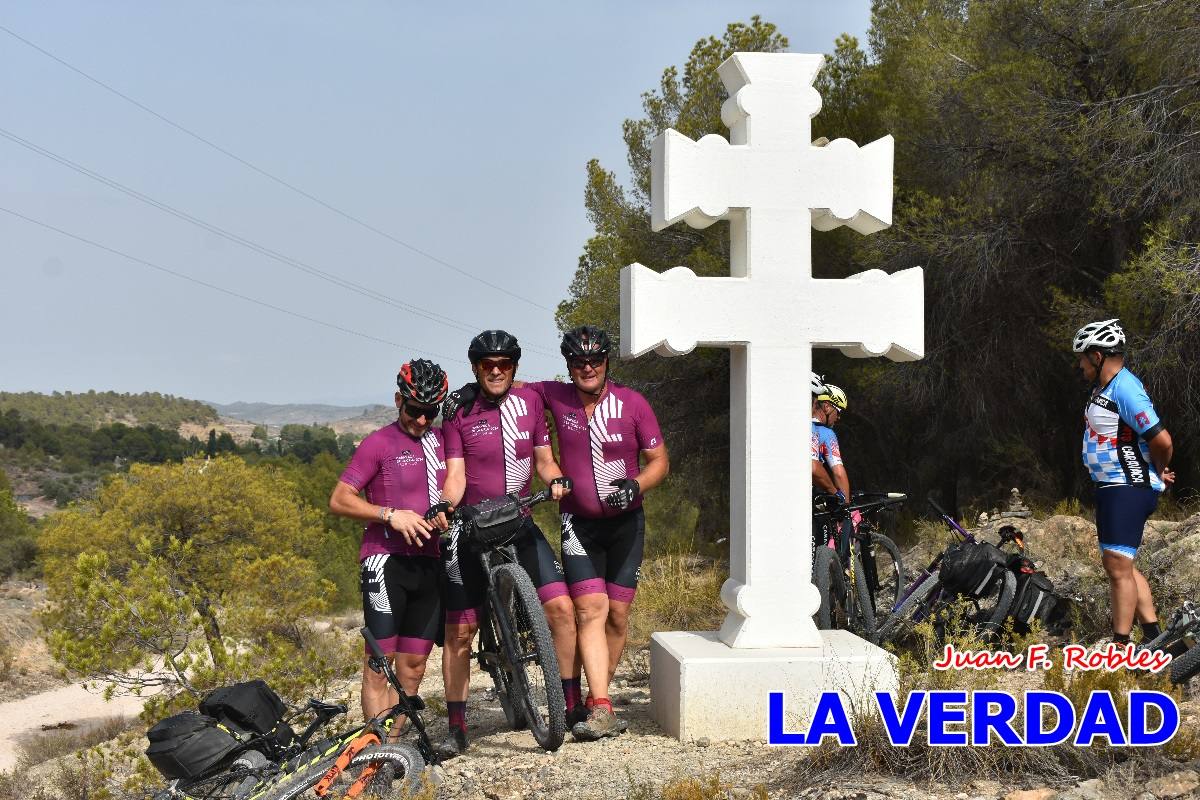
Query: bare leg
(1123, 589)
(560, 616)
(616, 631)
(456, 659)
(592, 612)
(1145, 600)
(377, 694)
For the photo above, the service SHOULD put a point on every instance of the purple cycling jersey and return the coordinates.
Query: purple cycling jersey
(496, 443)
(595, 452)
(400, 471)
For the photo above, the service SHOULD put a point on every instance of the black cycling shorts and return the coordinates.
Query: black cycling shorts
(402, 602)
(604, 555)
(1121, 514)
(466, 585)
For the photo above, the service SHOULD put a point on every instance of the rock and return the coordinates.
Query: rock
(1177, 784)
(703, 741)
(740, 793)
(1030, 794)
(1088, 790)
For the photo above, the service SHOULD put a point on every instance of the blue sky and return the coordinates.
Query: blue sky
(462, 130)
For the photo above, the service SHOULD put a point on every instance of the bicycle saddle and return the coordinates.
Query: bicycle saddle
(325, 709)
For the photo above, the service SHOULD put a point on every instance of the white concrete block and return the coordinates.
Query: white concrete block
(702, 688)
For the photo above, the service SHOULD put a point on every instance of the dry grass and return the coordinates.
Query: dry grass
(677, 592)
(708, 786)
(37, 748)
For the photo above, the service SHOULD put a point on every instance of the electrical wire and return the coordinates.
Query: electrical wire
(344, 214)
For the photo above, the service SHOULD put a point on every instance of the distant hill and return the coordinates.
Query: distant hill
(298, 413)
(99, 408)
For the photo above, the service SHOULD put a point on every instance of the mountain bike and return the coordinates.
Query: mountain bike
(363, 757)
(515, 646)
(1181, 638)
(838, 573)
(927, 598)
(881, 560)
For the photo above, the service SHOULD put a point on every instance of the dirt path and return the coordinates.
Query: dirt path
(71, 704)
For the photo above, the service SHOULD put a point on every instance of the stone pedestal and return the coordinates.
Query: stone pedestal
(702, 688)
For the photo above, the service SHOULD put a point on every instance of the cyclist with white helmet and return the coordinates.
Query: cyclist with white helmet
(1127, 451)
(821, 479)
(399, 468)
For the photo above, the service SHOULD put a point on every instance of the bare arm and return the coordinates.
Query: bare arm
(842, 480)
(1161, 450)
(655, 466)
(548, 470)
(821, 479)
(456, 481)
(345, 502)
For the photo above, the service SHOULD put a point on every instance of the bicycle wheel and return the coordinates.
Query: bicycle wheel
(911, 611)
(863, 609)
(833, 612)
(885, 574)
(994, 607)
(407, 764)
(521, 623)
(1186, 666)
(489, 642)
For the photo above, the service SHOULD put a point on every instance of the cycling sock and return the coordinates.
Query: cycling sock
(572, 692)
(1150, 630)
(457, 711)
(602, 701)
(1121, 638)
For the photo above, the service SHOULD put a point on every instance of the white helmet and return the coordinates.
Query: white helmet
(1105, 336)
(818, 384)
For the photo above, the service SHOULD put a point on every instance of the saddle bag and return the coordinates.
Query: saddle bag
(251, 706)
(971, 568)
(496, 521)
(189, 745)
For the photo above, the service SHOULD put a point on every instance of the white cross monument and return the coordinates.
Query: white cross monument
(773, 186)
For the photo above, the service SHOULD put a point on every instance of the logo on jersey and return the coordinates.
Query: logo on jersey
(407, 459)
(484, 428)
(572, 421)
(1142, 419)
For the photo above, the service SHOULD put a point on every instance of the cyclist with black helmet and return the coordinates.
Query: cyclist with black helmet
(493, 444)
(399, 468)
(1127, 451)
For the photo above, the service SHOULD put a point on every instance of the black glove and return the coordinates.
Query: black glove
(627, 491)
(462, 397)
(564, 482)
(437, 508)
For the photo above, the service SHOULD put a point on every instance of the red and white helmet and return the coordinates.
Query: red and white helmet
(1105, 336)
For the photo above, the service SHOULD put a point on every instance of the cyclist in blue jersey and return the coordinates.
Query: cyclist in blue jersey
(828, 407)
(821, 480)
(1127, 451)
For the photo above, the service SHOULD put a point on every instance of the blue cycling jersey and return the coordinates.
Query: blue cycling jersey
(825, 447)
(1118, 421)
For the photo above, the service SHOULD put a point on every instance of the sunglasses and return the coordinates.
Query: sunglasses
(416, 412)
(583, 362)
(502, 364)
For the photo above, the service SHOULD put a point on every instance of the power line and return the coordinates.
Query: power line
(241, 240)
(217, 288)
(344, 214)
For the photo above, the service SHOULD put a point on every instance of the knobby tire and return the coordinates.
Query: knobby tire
(537, 683)
(830, 581)
(1186, 666)
(909, 611)
(885, 574)
(864, 611)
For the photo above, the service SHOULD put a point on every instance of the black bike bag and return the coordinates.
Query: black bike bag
(971, 568)
(251, 706)
(1036, 601)
(496, 521)
(190, 745)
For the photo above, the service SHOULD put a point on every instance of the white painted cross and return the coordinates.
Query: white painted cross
(773, 186)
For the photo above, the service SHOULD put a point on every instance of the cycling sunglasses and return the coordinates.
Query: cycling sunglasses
(416, 412)
(582, 362)
(502, 364)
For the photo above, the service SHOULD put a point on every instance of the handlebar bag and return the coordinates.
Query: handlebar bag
(189, 745)
(251, 706)
(971, 568)
(496, 521)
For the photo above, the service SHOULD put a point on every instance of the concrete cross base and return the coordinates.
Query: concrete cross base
(702, 688)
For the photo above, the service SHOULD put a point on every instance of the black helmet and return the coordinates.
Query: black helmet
(586, 340)
(494, 343)
(423, 382)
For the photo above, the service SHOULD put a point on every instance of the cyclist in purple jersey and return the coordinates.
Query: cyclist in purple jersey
(1127, 451)
(603, 428)
(493, 445)
(400, 469)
